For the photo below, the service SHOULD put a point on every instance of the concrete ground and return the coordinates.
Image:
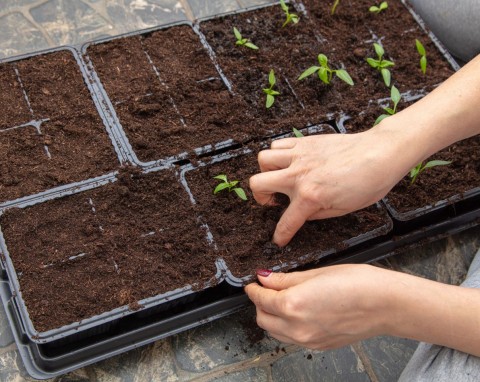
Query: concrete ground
(230, 349)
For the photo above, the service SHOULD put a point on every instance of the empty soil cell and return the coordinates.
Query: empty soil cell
(352, 30)
(242, 230)
(89, 253)
(440, 183)
(61, 138)
(168, 94)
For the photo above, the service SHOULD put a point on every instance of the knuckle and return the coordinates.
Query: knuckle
(291, 304)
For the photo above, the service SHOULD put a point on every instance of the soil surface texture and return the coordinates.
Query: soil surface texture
(61, 138)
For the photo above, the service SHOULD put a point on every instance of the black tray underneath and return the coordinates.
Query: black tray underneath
(44, 361)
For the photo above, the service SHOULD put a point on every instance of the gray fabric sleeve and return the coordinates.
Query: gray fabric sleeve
(455, 23)
(439, 363)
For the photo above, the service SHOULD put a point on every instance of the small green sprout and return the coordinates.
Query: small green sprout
(243, 41)
(377, 9)
(290, 17)
(419, 168)
(325, 73)
(334, 7)
(269, 91)
(380, 64)
(297, 133)
(395, 96)
(423, 56)
(230, 186)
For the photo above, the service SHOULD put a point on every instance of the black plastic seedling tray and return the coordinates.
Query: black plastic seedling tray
(50, 354)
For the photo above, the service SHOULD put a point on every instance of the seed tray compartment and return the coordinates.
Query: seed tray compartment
(239, 229)
(101, 236)
(170, 97)
(57, 137)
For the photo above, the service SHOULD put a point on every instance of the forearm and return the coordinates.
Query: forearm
(433, 312)
(448, 114)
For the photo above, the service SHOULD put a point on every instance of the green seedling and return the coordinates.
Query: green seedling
(395, 96)
(230, 186)
(269, 91)
(243, 41)
(290, 17)
(377, 9)
(325, 73)
(423, 56)
(334, 7)
(380, 64)
(419, 168)
(297, 133)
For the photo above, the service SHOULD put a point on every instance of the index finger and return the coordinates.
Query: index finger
(290, 222)
(264, 298)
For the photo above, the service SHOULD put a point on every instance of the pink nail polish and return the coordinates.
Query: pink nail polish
(263, 272)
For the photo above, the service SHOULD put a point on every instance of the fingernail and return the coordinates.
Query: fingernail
(263, 272)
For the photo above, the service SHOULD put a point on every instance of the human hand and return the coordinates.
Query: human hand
(323, 308)
(327, 175)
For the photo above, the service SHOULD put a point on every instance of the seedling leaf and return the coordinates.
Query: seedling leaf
(387, 77)
(220, 187)
(420, 48)
(395, 95)
(270, 101)
(378, 50)
(323, 60)
(308, 72)
(297, 133)
(419, 168)
(378, 9)
(373, 63)
(380, 119)
(241, 194)
(271, 78)
(423, 64)
(323, 75)
(237, 34)
(334, 6)
(221, 177)
(434, 163)
(344, 76)
(251, 46)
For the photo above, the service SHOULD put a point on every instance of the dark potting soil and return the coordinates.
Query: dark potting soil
(87, 254)
(352, 30)
(288, 51)
(442, 182)
(70, 145)
(175, 103)
(243, 230)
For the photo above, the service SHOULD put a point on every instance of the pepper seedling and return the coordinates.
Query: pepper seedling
(230, 186)
(334, 7)
(243, 41)
(395, 96)
(297, 133)
(423, 55)
(419, 168)
(290, 17)
(325, 73)
(269, 91)
(380, 64)
(377, 9)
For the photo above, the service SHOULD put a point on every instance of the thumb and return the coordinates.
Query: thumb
(279, 281)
